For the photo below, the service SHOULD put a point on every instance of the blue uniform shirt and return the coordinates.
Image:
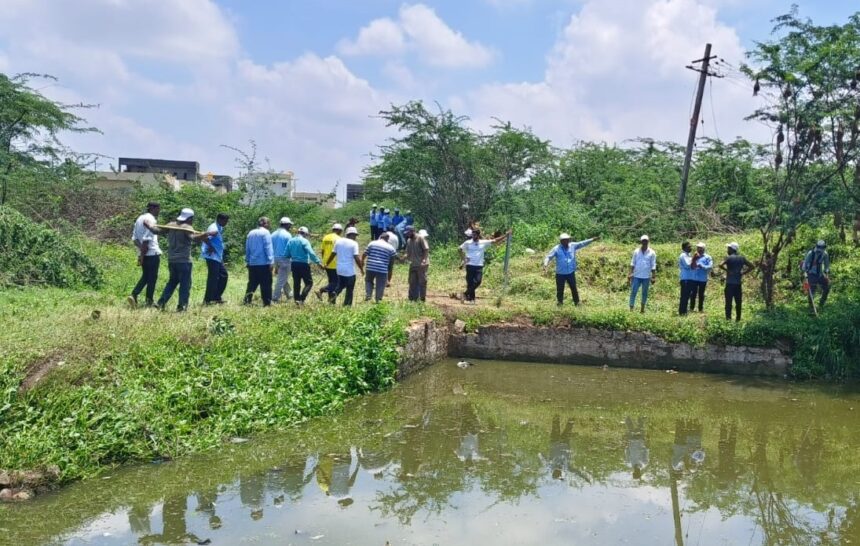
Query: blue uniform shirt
(280, 239)
(373, 218)
(258, 247)
(384, 222)
(565, 259)
(300, 250)
(704, 265)
(397, 219)
(684, 266)
(213, 249)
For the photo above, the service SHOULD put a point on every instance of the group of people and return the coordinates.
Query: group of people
(276, 258)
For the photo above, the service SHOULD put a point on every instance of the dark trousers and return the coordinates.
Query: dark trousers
(560, 282)
(216, 281)
(148, 278)
(697, 290)
(474, 277)
(733, 293)
(331, 287)
(818, 280)
(259, 276)
(180, 275)
(417, 282)
(348, 284)
(302, 274)
(687, 294)
(374, 285)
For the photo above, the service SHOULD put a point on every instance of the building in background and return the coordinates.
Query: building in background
(128, 182)
(354, 192)
(180, 170)
(326, 200)
(220, 183)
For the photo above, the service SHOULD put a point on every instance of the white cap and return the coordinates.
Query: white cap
(468, 232)
(423, 233)
(185, 214)
(374, 205)
(734, 246)
(351, 231)
(286, 220)
(563, 236)
(337, 227)
(821, 243)
(644, 238)
(303, 230)
(700, 244)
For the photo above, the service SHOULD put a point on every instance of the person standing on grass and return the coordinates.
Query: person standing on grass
(213, 252)
(179, 264)
(376, 260)
(145, 238)
(347, 254)
(374, 219)
(685, 268)
(283, 266)
(302, 255)
(418, 256)
(259, 257)
(383, 223)
(643, 269)
(702, 264)
(326, 250)
(564, 254)
(736, 266)
(816, 265)
(472, 258)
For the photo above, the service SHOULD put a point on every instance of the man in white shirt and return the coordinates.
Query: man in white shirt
(643, 268)
(145, 238)
(346, 254)
(472, 256)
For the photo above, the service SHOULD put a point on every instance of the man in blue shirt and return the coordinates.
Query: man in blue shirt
(280, 239)
(384, 221)
(816, 265)
(213, 253)
(374, 216)
(397, 218)
(702, 266)
(564, 255)
(259, 257)
(685, 269)
(301, 255)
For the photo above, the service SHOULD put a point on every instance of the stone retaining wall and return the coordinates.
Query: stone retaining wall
(426, 343)
(622, 349)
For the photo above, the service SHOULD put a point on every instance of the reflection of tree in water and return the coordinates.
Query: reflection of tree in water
(810, 450)
(175, 530)
(446, 453)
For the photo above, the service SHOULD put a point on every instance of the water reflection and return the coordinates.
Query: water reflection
(427, 456)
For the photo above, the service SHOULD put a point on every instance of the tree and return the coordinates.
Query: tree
(30, 125)
(808, 79)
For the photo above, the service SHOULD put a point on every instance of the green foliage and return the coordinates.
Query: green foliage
(161, 397)
(34, 254)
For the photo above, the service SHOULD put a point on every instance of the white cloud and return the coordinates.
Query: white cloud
(418, 29)
(617, 72)
(380, 37)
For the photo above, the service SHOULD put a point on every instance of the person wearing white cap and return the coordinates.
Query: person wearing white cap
(259, 257)
(347, 257)
(283, 265)
(472, 256)
(643, 269)
(213, 252)
(302, 255)
(326, 250)
(816, 265)
(423, 233)
(736, 266)
(702, 265)
(564, 254)
(418, 256)
(180, 237)
(685, 269)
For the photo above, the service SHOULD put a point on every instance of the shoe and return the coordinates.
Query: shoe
(182, 309)
(132, 302)
(159, 306)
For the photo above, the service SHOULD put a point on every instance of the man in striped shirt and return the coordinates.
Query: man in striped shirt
(376, 260)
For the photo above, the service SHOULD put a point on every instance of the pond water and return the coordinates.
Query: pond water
(501, 453)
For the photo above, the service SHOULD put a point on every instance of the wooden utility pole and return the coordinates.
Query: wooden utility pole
(694, 122)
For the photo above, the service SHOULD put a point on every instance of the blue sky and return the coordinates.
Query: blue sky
(179, 78)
